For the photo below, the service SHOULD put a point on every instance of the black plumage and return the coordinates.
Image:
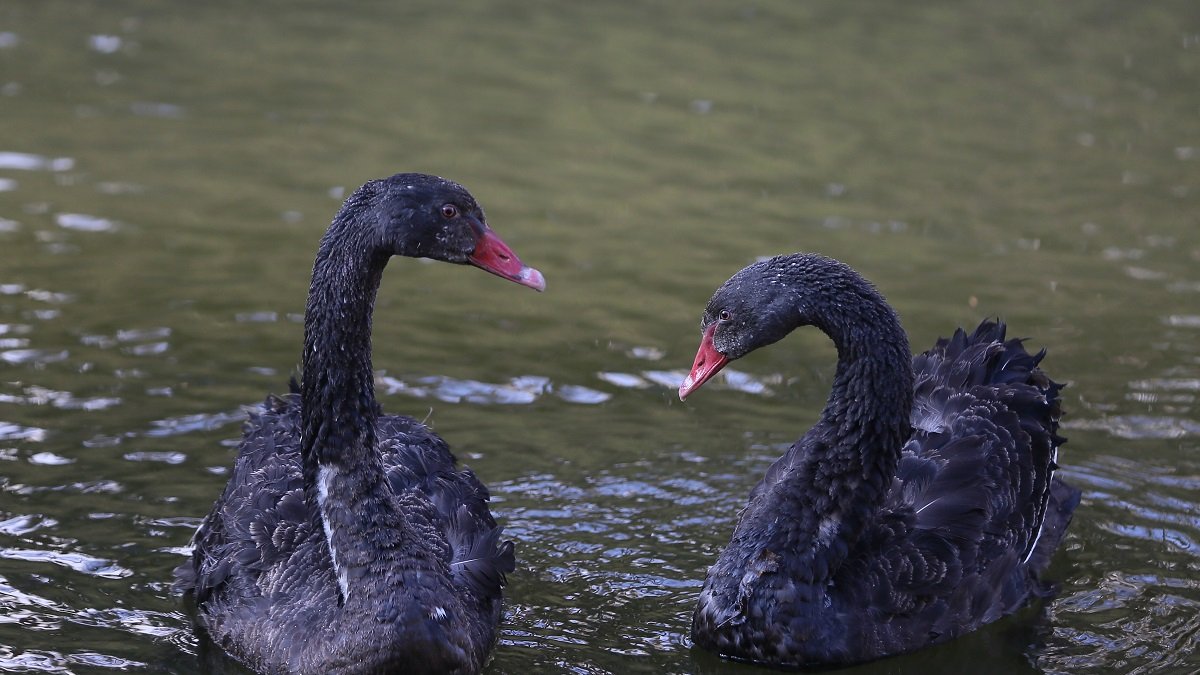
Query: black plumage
(921, 506)
(347, 541)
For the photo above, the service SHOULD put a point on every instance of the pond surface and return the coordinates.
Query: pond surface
(167, 168)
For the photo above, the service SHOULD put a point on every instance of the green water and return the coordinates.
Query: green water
(166, 169)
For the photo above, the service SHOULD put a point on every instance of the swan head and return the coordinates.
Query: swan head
(756, 307)
(424, 216)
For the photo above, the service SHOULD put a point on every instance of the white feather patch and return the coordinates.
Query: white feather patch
(325, 476)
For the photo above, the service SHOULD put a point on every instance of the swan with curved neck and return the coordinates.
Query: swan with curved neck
(348, 541)
(920, 506)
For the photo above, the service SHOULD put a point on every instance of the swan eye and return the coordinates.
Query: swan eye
(449, 211)
(724, 315)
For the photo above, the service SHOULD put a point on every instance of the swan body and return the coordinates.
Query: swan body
(922, 505)
(348, 541)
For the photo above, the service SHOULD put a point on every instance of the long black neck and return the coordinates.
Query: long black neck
(337, 390)
(343, 471)
(841, 470)
(867, 413)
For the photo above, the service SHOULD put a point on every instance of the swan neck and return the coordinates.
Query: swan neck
(863, 426)
(871, 398)
(338, 405)
(343, 472)
(844, 466)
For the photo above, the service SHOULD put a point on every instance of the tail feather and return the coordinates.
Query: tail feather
(1061, 508)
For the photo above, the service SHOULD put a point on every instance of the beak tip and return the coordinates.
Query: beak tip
(532, 278)
(686, 387)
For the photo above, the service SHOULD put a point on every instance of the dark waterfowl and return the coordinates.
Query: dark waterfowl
(348, 541)
(922, 505)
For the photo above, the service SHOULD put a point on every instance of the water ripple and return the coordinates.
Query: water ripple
(157, 109)
(1139, 426)
(171, 426)
(24, 161)
(35, 395)
(623, 380)
(596, 546)
(97, 567)
(140, 622)
(1139, 617)
(16, 432)
(186, 424)
(36, 612)
(729, 378)
(83, 487)
(1183, 320)
(143, 334)
(256, 317)
(20, 525)
(51, 297)
(163, 457)
(105, 44)
(646, 353)
(148, 349)
(49, 459)
(84, 222)
(1144, 274)
(45, 661)
(521, 390)
(1166, 384)
(33, 356)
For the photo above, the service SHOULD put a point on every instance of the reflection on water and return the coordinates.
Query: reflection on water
(15, 432)
(1138, 612)
(84, 222)
(526, 389)
(1141, 426)
(160, 201)
(75, 561)
(23, 161)
(523, 389)
(54, 662)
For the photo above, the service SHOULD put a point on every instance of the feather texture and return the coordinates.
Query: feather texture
(260, 555)
(921, 506)
(347, 541)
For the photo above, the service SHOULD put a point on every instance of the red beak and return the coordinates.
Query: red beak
(708, 362)
(493, 255)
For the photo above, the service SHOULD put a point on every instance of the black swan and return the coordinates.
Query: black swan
(348, 541)
(921, 506)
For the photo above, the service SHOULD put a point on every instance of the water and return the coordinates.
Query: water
(165, 172)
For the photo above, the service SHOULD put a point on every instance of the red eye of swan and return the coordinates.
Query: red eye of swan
(449, 211)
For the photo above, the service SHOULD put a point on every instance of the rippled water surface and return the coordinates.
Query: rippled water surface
(166, 170)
